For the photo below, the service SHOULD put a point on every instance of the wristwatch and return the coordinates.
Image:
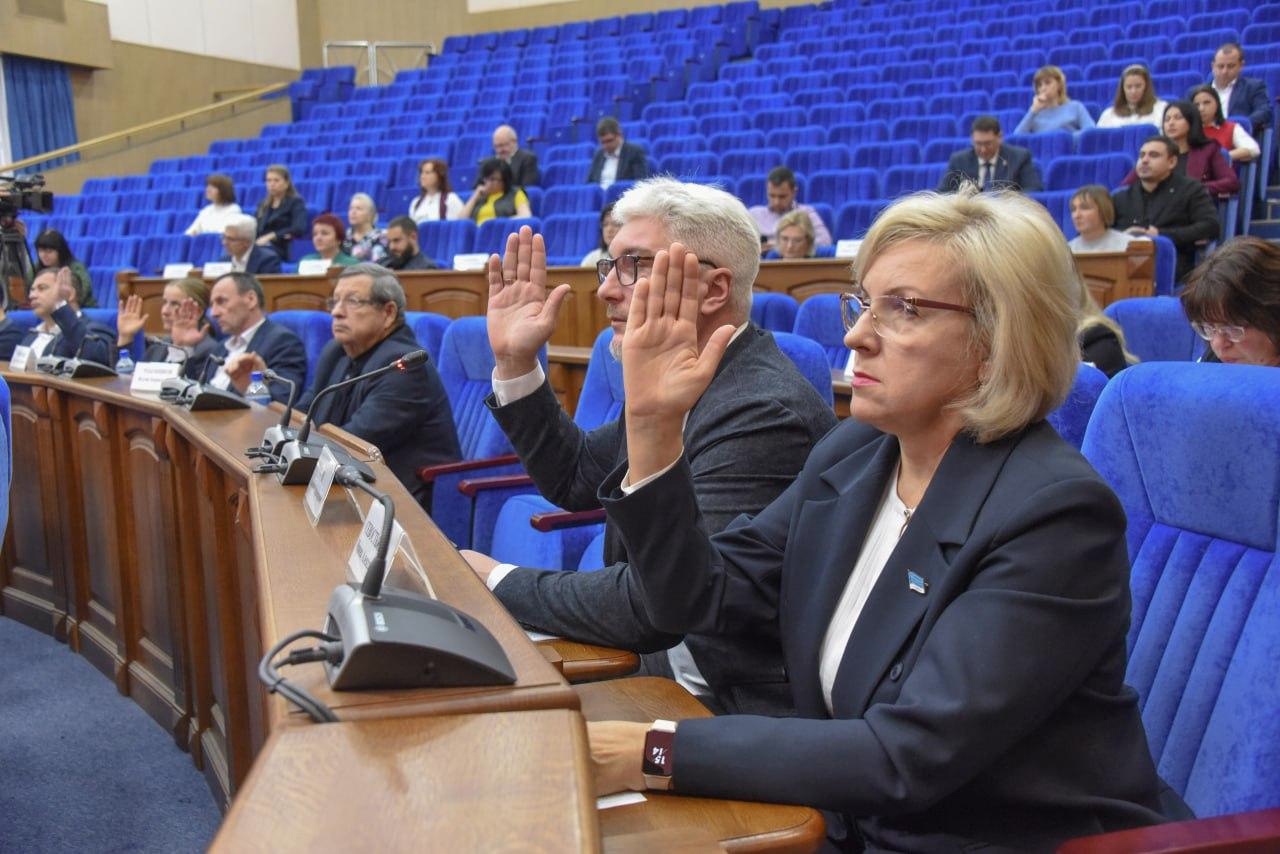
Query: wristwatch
(658, 755)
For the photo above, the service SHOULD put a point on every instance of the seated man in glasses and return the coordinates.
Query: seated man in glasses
(405, 413)
(746, 439)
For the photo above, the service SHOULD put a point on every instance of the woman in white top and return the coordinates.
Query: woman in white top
(1093, 215)
(1136, 102)
(608, 228)
(222, 207)
(437, 200)
(1235, 140)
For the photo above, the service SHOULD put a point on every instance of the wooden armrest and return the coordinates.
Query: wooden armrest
(473, 485)
(428, 474)
(558, 519)
(1244, 832)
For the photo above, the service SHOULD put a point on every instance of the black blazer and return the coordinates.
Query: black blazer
(1180, 208)
(1014, 169)
(746, 439)
(278, 346)
(287, 221)
(524, 169)
(260, 260)
(405, 413)
(633, 164)
(981, 697)
(1100, 347)
(72, 330)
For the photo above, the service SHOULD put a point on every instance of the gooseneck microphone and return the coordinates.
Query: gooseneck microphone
(276, 435)
(213, 359)
(77, 368)
(199, 396)
(409, 360)
(377, 572)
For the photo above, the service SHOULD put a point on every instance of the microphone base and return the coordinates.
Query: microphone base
(405, 640)
(299, 460)
(206, 397)
(275, 437)
(50, 364)
(79, 369)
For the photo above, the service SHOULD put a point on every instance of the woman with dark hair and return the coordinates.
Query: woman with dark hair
(1234, 139)
(220, 192)
(1135, 103)
(282, 215)
(437, 199)
(187, 331)
(52, 251)
(1233, 301)
(1198, 156)
(608, 228)
(496, 195)
(327, 236)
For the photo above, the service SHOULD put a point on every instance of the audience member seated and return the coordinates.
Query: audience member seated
(242, 253)
(1233, 301)
(63, 328)
(616, 159)
(327, 236)
(188, 333)
(405, 413)
(1198, 156)
(402, 241)
(991, 164)
(745, 438)
(794, 237)
(780, 189)
(253, 342)
(1093, 215)
(437, 200)
(523, 163)
(1162, 201)
(608, 228)
(364, 240)
(496, 196)
(11, 334)
(1136, 102)
(1233, 138)
(282, 215)
(958, 681)
(220, 192)
(1101, 338)
(1051, 109)
(1241, 96)
(53, 252)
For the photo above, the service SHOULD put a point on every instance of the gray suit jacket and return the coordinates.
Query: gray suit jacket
(745, 441)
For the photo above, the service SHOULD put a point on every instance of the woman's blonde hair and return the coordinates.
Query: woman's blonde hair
(800, 220)
(1052, 72)
(1018, 275)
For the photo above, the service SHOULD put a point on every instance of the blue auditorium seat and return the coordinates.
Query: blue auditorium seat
(855, 134)
(784, 117)
(1044, 147)
(819, 319)
(743, 161)
(315, 328)
(901, 180)
(572, 199)
(922, 128)
(677, 145)
(838, 187)
(615, 191)
(873, 156)
(691, 163)
(773, 311)
(887, 109)
(571, 235)
(205, 248)
(817, 158)
(800, 136)
(1126, 140)
(442, 240)
(1072, 172)
(726, 122)
(854, 218)
(158, 251)
(560, 174)
(428, 327)
(1156, 329)
(1072, 417)
(810, 358)
(6, 455)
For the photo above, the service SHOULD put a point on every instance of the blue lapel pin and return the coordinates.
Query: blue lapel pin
(916, 583)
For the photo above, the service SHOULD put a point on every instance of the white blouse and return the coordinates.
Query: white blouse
(213, 219)
(1109, 119)
(426, 208)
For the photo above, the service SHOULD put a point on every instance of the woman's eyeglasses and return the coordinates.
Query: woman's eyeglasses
(890, 314)
(1207, 331)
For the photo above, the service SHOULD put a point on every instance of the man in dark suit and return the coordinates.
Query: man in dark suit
(243, 254)
(1240, 96)
(746, 438)
(990, 163)
(253, 342)
(402, 244)
(64, 329)
(523, 163)
(616, 159)
(1163, 202)
(405, 413)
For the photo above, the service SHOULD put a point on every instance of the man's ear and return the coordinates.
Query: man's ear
(719, 288)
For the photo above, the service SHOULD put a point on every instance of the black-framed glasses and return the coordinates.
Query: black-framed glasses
(890, 314)
(349, 302)
(628, 268)
(1232, 332)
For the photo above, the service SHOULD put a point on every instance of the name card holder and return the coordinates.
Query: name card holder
(149, 377)
(21, 359)
(318, 487)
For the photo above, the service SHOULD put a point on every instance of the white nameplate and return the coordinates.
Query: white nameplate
(21, 359)
(470, 261)
(216, 269)
(176, 271)
(318, 488)
(847, 248)
(148, 376)
(366, 547)
(313, 267)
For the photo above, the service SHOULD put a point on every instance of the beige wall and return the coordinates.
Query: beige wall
(82, 38)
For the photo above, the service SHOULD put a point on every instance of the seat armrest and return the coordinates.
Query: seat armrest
(1243, 832)
(428, 474)
(560, 519)
(472, 486)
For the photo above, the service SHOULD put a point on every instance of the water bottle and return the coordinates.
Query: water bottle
(124, 365)
(257, 391)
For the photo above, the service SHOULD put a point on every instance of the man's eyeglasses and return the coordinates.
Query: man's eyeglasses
(890, 314)
(349, 303)
(1207, 331)
(628, 267)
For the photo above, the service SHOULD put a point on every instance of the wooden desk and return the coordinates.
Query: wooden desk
(584, 662)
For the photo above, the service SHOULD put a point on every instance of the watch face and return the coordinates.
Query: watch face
(657, 753)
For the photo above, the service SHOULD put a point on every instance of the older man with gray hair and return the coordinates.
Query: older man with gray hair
(745, 441)
(245, 256)
(523, 162)
(405, 413)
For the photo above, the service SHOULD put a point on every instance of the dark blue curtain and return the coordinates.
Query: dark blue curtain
(41, 114)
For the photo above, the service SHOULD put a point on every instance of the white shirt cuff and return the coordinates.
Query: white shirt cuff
(627, 487)
(498, 573)
(509, 391)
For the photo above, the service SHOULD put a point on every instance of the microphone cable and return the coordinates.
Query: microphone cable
(330, 651)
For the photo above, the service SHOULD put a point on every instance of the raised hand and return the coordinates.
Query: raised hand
(185, 329)
(521, 315)
(129, 319)
(241, 365)
(66, 285)
(663, 370)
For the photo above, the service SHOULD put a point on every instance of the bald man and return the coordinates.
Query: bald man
(523, 163)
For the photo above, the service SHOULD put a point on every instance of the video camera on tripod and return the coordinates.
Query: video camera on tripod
(18, 194)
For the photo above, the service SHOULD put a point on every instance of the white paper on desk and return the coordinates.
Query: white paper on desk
(313, 267)
(621, 799)
(215, 269)
(847, 248)
(539, 636)
(470, 261)
(176, 271)
(148, 376)
(21, 359)
(318, 486)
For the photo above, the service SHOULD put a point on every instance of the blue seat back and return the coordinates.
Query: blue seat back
(810, 359)
(1156, 329)
(773, 311)
(315, 328)
(428, 327)
(819, 319)
(602, 396)
(1202, 535)
(6, 456)
(442, 239)
(1072, 417)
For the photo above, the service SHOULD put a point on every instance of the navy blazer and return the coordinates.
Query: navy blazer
(287, 222)
(1249, 98)
(981, 697)
(633, 164)
(278, 346)
(405, 413)
(1014, 169)
(260, 260)
(11, 335)
(72, 329)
